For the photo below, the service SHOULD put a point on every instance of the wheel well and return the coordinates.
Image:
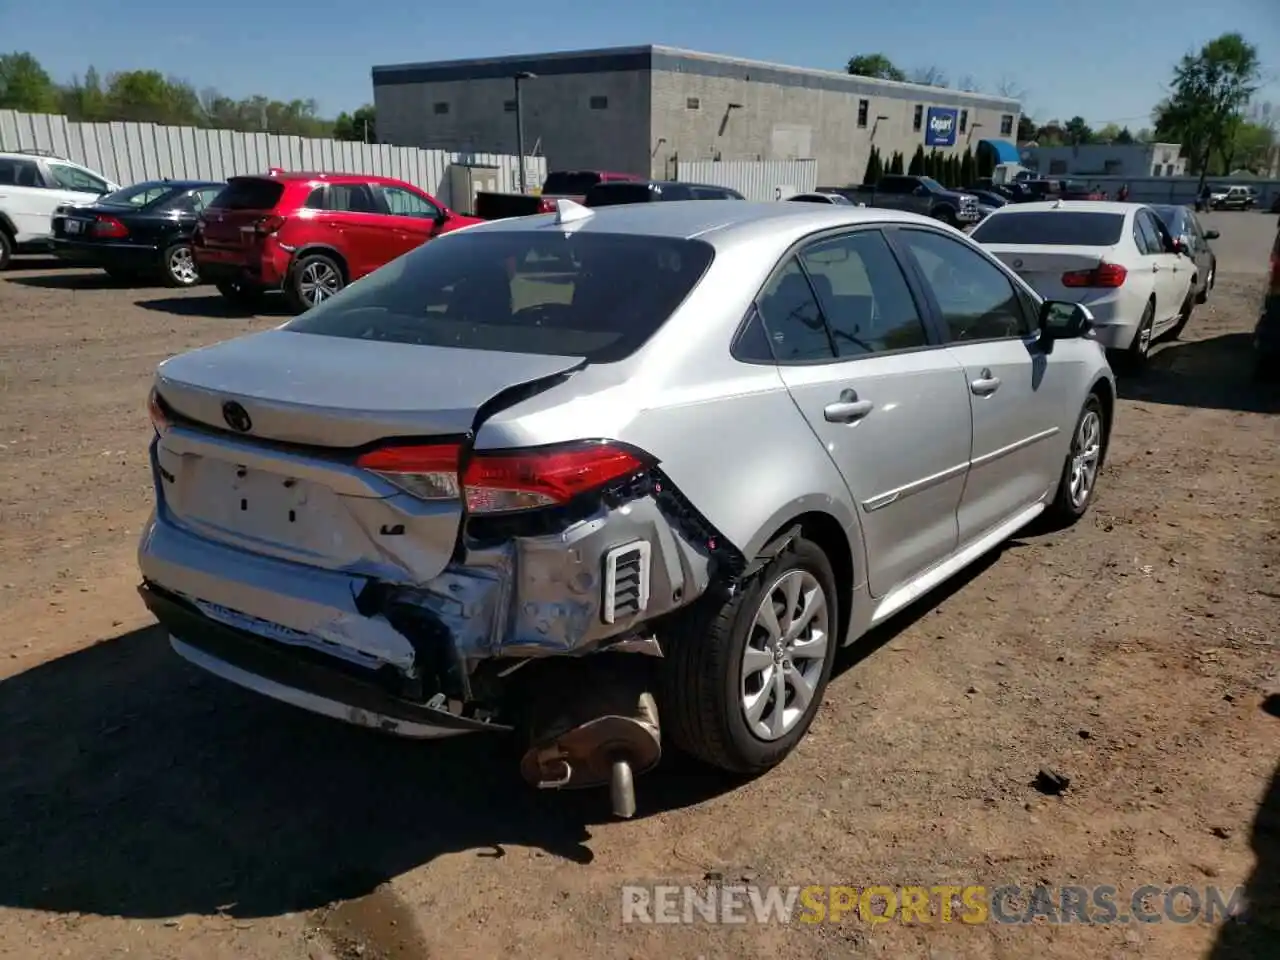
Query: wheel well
(1107, 397)
(6, 227)
(329, 252)
(826, 532)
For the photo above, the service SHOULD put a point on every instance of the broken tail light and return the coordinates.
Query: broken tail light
(1106, 275)
(159, 415)
(502, 481)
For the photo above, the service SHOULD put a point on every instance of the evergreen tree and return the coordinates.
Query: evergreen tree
(967, 168)
(917, 163)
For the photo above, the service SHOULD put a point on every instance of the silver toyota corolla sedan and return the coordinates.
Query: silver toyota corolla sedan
(611, 477)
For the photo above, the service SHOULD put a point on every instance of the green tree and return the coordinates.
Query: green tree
(1124, 136)
(875, 168)
(84, 99)
(1207, 98)
(986, 161)
(968, 169)
(361, 125)
(1249, 148)
(1026, 129)
(24, 84)
(874, 65)
(1107, 134)
(917, 166)
(1078, 131)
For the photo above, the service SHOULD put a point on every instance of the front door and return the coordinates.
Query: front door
(412, 219)
(1169, 274)
(1017, 397)
(890, 408)
(358, 227)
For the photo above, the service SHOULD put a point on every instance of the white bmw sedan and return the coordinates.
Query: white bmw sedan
(1117, 259)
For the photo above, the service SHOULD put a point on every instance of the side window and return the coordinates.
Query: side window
(792, 318)
(350, 198)
(402, 203)
(975, 297)
(73, 178)
(20, 173)
(205, 196)
(1146, 235)
(863, 294)
(315, 199)
(1163, 238)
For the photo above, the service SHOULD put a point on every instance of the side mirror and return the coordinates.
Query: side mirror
(1212, 234)
(1060, 320)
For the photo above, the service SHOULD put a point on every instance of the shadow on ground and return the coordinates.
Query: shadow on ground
(215, 307)
(1257, 936)
(36, 262)
(81, 278)
(134, 785)
(1216, 374)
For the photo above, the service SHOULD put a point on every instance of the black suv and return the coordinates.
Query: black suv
(647, 191)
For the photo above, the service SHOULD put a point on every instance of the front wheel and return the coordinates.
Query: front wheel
(1080, 472)
(1184, 315)
(743, 675)
(313, 279)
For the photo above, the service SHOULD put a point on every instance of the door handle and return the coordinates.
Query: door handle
(848, 409)
(985, 385)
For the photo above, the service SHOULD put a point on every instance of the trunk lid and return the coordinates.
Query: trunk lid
(309, 505)
(228, 223)
(1043, 266)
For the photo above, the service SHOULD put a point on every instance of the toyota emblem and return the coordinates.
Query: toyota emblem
(237, 417)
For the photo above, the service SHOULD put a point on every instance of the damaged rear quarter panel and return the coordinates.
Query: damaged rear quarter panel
(542, 595)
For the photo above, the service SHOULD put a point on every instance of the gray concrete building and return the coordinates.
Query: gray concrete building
(1107, 159)
(642, 109)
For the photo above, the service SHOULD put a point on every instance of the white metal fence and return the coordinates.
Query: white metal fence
(130, 152)
(756, 180)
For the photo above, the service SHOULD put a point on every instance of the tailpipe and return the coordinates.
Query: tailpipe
(603, 732)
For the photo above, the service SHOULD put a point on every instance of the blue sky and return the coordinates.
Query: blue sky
(1106, 60)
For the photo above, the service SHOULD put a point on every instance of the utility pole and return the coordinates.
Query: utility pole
(522, 75)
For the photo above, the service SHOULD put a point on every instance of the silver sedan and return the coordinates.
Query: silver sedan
(613, 478)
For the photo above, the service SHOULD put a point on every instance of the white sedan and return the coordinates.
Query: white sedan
(1117, 259)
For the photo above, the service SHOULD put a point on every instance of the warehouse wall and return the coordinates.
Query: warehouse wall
(558, 110)
(692, 119)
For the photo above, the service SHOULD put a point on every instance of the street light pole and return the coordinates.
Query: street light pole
(523, 75)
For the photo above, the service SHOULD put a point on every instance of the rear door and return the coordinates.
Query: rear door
(1018, 399)
(351, 221)
(892, 411)
(411, 217)
(26, 198)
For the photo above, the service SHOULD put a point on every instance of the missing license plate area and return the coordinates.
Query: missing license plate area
(251, 502)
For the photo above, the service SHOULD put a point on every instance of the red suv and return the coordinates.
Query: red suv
(310, 234)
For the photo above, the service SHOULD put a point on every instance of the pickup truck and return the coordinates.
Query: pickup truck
(570, 184)
(916, 194)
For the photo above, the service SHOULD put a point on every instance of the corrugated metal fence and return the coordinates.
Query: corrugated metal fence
(756, 180)
(130, 152)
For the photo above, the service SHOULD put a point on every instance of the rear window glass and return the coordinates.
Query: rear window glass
(569, 183)
(249, 193)
(1051, 228)
(139, 195)
(593, 295)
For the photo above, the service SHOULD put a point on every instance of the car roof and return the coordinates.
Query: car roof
(720, 222)
(180, 184)
(1078, 206)
(620, 184)
(312, 176)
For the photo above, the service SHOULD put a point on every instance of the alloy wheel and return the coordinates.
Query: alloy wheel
(319, 281)
(783, 660)
(182, 266)
(1086, 450)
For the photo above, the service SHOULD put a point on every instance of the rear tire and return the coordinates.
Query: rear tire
(178, 265)
(1134, 360)
(706, 696)
(1184, 316)
(313, 279)
(6, 249)
(1079, 480)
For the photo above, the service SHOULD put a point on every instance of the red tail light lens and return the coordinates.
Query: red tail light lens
(159, 417)
(1104, 275)
(504, 481)
(109, 227)
(268, 225)
(546, 205)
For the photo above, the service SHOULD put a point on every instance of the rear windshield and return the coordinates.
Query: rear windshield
(1051, 228)
(568, 183)
(139, 196)
(593, 295)
(249, 193)
(608, 194)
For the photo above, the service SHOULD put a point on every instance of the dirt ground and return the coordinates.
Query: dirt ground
(150, 811)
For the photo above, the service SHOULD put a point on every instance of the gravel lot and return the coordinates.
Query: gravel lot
(148, 810)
